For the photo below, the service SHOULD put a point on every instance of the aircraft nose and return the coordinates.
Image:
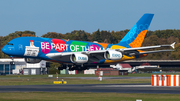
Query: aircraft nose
(4, 49)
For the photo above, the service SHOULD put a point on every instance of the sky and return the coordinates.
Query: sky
(64, 16)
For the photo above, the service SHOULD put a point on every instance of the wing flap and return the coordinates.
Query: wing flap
(148, 52)
(156, 51)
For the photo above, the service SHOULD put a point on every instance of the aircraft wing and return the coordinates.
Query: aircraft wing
(126, 51)
(147, 47)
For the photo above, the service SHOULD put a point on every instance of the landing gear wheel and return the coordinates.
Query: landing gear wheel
(62, 67)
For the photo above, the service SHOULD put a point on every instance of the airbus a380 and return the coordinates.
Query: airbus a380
(80, 54)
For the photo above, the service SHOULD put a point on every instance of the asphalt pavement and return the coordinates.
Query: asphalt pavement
(103, 88)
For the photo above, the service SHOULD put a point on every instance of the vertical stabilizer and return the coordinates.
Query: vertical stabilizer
(136, 35)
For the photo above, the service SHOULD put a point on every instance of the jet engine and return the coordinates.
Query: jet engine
(112, 55)
(79, 58)
(32, 60)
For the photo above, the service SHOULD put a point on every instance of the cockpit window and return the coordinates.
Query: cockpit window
(9, 44)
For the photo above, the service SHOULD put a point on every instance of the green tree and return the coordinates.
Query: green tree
(96, 36)
(54, 65)
(106, 37)
(84, 38)
(53, 35)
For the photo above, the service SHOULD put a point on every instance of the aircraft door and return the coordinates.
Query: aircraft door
(20, 47)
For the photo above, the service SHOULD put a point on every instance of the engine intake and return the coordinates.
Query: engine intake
(112, 55)
(79, 58)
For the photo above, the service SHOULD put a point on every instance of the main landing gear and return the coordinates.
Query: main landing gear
(63, 66)
(72, 67)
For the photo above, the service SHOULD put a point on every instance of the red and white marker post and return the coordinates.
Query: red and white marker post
(100, 78)
(57, 76)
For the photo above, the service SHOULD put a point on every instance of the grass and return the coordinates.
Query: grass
(48, 81)
(71, 96)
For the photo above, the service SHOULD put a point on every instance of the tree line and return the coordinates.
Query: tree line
(156, 37)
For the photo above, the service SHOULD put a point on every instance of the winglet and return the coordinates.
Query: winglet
(172, 45)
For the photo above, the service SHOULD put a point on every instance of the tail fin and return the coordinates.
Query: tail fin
(135, 36)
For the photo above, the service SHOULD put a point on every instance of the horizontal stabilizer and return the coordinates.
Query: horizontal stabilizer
(173, 45)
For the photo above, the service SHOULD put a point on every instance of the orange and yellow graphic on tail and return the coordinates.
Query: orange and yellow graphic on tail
(139, 39)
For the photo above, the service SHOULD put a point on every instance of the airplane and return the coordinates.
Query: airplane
(76, 55)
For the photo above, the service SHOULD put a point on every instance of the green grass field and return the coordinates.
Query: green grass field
(71, 96)
(44, 80)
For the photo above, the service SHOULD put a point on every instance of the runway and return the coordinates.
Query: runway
(102, 88)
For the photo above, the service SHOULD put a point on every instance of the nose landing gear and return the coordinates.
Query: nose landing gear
(12, 62)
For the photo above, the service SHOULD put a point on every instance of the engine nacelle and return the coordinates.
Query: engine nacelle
(79, 58)
(32, 60)
(112, 55)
